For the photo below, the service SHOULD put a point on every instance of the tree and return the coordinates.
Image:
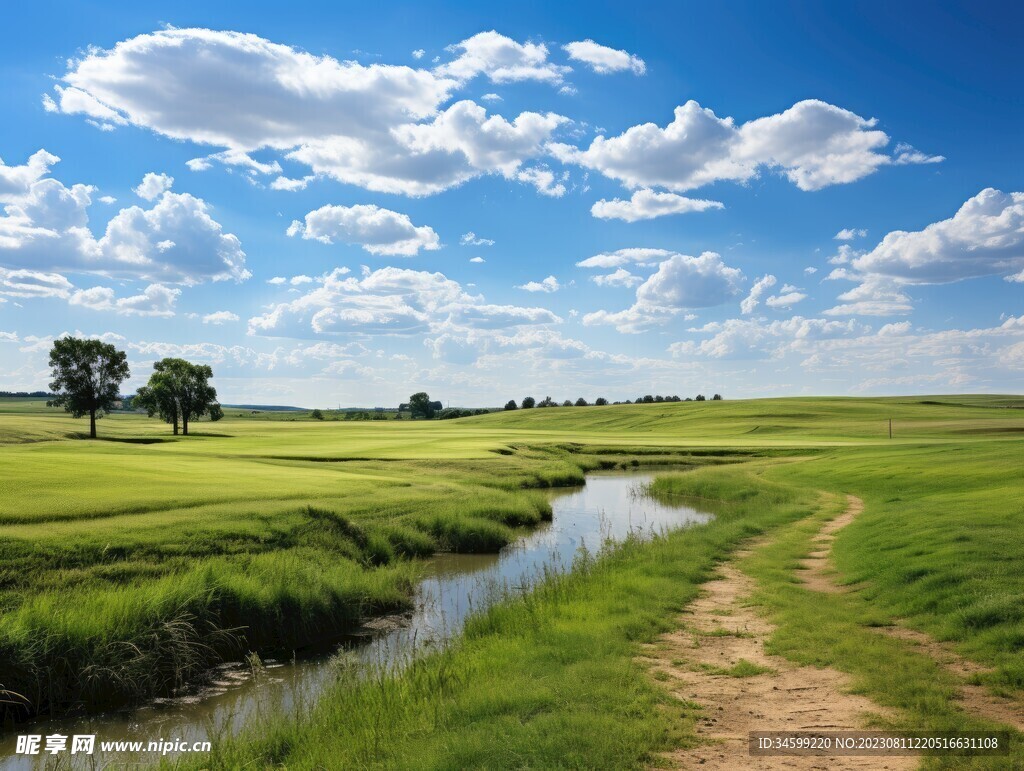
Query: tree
(160, 395)
(600, 401)
(179, 390)
(420, 406)
(700, 398)
(316, 415)
(511, 404)
(581, 402)
(648, 399)
(567, 403)
(529, 403)
(547, 401)
(659, 398)
(716, 398)
(87, 375)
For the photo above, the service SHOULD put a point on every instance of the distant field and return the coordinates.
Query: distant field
(292, 526)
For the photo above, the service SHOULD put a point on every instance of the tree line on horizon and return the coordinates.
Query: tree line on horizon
(87, 377)
(529, 402)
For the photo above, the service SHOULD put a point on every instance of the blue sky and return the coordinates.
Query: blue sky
(747, 198)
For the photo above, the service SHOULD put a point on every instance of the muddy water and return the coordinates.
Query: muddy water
(610, 506)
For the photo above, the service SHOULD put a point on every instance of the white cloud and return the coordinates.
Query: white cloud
(985, 237)
(277, 280)
(390, 301)
(379, 231)
(107, 199)
(810, 271)
(752, 300)
(680, 283)
(542, 179)
(491, 98)
(873, 296)
(46, 228)
(755, 338)
(813, 143)
(477, 260)
(647, 204)
(418, 53)
(220, 317)
(153, 186)
(471, 239)
(604, 60)
(550, 284)
(155, 300)
(786, 299)
(501, 59)
(848, 234)
(906, 154)
(31, 283)
(620, 278)
(624, 257)
(17, 181)
(376, 126)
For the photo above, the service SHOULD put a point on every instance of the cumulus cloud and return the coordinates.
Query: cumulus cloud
(550, 284)
(220, 317)
(390, 301)
(153, 186)
(814, 144)
(379, 231)
(604, 60)
(681, 282)
(46, 228)
(985, 237)
(873, 296)
(501, 59)
(155, 300)
(752, 300)
(477, 260)
(377, 126)
(756, 337)
(787, 298)
(620, 278)
(647, 204)
(17, 181)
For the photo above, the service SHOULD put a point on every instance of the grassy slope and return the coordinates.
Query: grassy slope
(169, 532)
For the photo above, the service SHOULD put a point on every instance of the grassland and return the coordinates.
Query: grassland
(290, 528)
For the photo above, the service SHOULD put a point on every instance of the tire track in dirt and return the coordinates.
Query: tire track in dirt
(975, 699)
(722, 631)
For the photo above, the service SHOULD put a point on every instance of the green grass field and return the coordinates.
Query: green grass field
(290, 527)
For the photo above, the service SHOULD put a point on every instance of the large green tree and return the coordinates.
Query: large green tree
(179, 390)
(419, 405)
(87, 375)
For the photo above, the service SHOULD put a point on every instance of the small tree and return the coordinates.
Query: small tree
(87, 375)
(316, 415)
(511, 405)
(567, 403)
(716, 398)
(648, 399)
(581, 402)
(547, 401)
(529, 403)
(700, 398)
(420, 406)
(600, 401)
(160, 395)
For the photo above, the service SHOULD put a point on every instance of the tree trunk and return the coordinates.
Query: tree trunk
(184, 424)
(92, 424)
(175, 422)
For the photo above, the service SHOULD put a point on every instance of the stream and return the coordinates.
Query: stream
(610, 506)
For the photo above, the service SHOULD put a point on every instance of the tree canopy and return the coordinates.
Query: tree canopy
(420, 405)
(179, 390)
(87, 376)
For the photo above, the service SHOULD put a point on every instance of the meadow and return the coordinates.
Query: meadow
(131, 563)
